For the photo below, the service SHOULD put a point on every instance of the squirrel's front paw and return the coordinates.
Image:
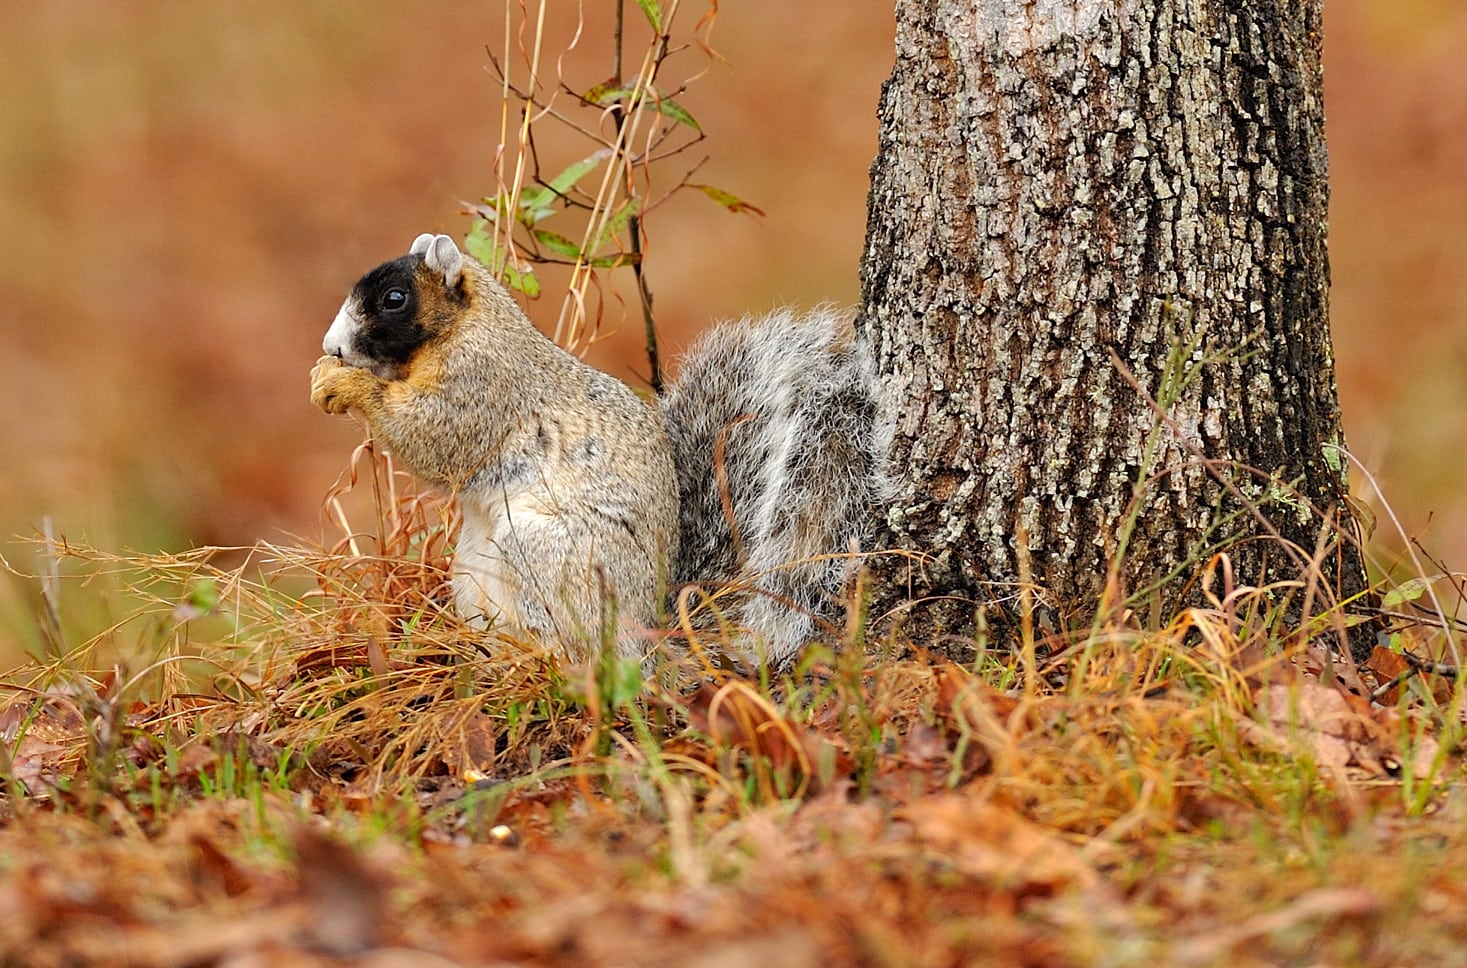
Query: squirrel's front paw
(327, 379)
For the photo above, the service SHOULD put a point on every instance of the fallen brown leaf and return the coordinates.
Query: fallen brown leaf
(735, 716)
(998, 845)
(469, 744)
(1338, 728)
(346, 900)
(1325, 903)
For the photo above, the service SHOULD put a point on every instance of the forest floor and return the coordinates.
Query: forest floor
(294, 757)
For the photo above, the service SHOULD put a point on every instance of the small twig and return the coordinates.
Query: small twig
(1415, 559)
(634, 223)
(1455, 578)
(1418, 667)
(1434, 668)
(649, 205)
(654, 362)
(653, 156)
(616, 38)
(1430, 619)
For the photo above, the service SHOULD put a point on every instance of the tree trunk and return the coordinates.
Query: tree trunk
(1096, 284)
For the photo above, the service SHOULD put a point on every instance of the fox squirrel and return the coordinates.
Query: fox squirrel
(759, 471)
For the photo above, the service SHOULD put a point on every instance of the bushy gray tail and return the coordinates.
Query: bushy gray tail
(784, 407)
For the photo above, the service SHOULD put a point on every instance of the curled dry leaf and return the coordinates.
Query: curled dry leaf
(967, 707)
(736, 717)
(957, 688)
(469, 746)
(1339, 729)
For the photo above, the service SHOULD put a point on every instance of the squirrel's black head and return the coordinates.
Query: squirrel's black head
(398, 307)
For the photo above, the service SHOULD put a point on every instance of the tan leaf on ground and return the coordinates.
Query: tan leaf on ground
(42, 744)
(997, 844)
(347, 900)
(468, 745)
(1324, 904)
(1339, 729)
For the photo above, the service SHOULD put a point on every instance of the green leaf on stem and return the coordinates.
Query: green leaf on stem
(607, 94)
(653, 13)
(1405, 592)
(479, 244)
(483, 244)
(537, 202)
(573, 173)
(669, 108)
(618, 219)
(557, 243)
(615, 261)
(521, 279)
(729, 201)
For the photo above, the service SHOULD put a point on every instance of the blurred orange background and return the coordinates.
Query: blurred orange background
(188, 191)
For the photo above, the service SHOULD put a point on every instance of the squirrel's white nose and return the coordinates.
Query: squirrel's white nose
(338, 336)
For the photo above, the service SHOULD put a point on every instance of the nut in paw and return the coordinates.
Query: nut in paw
(327, 378)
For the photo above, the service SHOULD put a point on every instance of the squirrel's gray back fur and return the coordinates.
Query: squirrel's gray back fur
(774, 434)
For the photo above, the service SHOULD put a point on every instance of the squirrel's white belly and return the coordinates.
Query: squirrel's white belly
(496, 541)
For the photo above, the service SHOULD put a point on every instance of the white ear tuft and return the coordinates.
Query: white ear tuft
(443, 256)
(421, 244)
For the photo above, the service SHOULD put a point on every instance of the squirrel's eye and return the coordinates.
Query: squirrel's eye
(393, 300)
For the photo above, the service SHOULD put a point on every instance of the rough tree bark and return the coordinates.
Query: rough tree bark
(1077, 205)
